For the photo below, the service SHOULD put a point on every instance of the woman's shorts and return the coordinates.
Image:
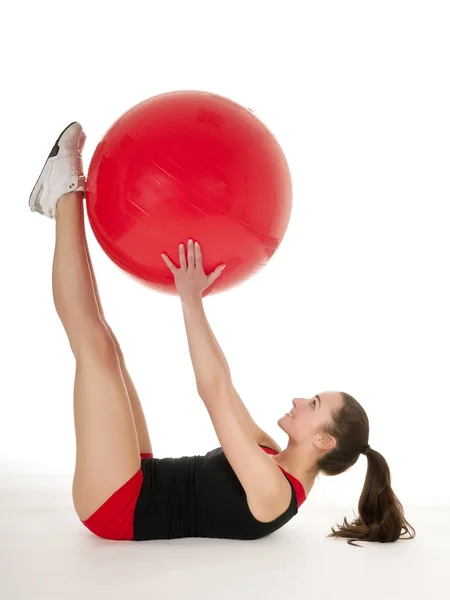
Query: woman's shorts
(114, 520)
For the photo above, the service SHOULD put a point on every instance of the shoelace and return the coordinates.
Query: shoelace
(76, 165)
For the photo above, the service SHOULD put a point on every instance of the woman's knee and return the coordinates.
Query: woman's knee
(95, 344)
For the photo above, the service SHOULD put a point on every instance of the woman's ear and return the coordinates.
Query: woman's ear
(325, 443)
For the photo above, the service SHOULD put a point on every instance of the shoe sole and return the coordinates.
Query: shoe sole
(53, 153)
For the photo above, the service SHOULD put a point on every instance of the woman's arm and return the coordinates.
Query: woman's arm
(208, 387)
(210, 365)
(212, 372)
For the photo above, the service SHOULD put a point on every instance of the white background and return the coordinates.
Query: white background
(357, 297)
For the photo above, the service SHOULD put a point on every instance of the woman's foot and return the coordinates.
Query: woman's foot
(62, 172)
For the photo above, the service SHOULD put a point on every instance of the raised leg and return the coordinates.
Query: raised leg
(145, 445)
(107, 449)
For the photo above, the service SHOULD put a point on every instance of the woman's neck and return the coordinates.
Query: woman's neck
(299, 466)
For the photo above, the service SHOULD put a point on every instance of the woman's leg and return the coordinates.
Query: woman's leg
(107, 449)
(145, 445)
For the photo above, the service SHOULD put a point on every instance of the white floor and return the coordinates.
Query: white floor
(46, 553)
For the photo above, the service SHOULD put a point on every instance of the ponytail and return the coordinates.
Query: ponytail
(381, 516)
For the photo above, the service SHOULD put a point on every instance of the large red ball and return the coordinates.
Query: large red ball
(189, 165)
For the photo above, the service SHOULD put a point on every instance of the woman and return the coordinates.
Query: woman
(245, 489)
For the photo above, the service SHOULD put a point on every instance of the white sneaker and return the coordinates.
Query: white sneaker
(62, 172)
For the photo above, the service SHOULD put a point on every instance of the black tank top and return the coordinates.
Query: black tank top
(201, 496)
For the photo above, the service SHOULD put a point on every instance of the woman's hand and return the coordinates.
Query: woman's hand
(190, 279)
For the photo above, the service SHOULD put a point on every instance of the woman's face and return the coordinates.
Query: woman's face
(310, 415)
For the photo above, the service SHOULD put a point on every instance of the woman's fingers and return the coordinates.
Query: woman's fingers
(198, 256)
(183, 264)
(194, 259)
(169, 263)
(215, 274)
(191, 256)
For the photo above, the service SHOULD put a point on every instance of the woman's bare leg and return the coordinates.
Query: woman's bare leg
(107, 449)
(145, 445)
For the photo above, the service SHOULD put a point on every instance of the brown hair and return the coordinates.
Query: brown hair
(381, 517)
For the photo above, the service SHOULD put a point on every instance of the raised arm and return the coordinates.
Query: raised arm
(212, 372)
(208, 360)
(210, 365)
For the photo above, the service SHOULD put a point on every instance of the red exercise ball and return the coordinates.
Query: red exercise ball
(189, 165)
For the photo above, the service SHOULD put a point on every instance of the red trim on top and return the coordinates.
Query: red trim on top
(298, 486)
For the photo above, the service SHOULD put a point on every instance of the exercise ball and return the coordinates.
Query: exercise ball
(189, 165)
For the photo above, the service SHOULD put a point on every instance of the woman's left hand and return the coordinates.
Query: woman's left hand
(190, 279)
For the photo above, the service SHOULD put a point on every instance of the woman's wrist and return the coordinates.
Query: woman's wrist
(191, 300)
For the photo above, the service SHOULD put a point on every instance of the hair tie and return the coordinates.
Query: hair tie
(366, 449)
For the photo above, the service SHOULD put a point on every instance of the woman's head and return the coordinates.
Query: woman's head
(308, 422)
(333, 429)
